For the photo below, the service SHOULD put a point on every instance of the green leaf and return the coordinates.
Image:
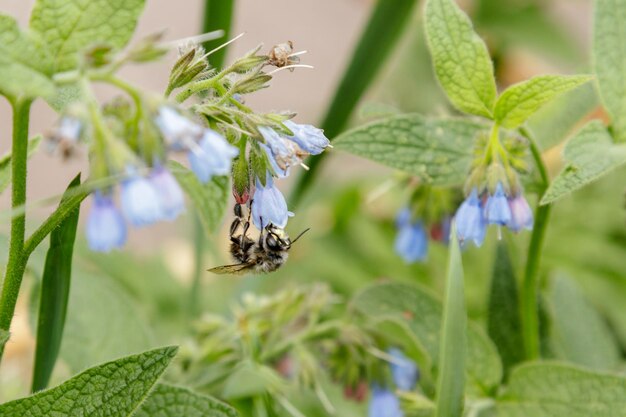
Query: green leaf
(422, 312)
(171, 401)
(589, 155)
(609, 56)
(68, 27)
(453, 348)
(504, 321)
(210, 199)
(4, 338)
(115, 388)
(218, 15)
(520, 101)
(461, 59)
(5, 162)
(579, 333)
(55, 291)
(22, 63)
(437, 151)
(558, 390)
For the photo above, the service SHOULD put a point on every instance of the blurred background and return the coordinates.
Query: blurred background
(143, 294)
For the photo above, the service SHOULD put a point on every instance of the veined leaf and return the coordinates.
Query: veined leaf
(559, 390)
(609, 56)
(437, 151)
(5, 162)
(113, 389)
(67, 27)
(579, 334)
(453, 345)
(462, 62)
(170, 401)
(22, 63)
(210, 199)
(55, 291)
(521, 100)
(589, 155)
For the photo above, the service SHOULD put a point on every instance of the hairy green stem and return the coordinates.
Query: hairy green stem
(530, 288)
(17, 262)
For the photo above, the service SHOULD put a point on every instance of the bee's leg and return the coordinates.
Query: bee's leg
(233, 227)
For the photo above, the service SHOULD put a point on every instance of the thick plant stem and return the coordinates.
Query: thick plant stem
(530, 289)
(17, 262)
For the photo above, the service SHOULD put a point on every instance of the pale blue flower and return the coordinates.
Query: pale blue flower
(106, 229)
(404, 371)
(140, 201)
(411, 241)
(170, 195)
(384, 403)
(521, 214)
(470, 223)
(282, 153)
(213, 156)
(497, 209)
(309, 138)
(269, 205)
(178, 131)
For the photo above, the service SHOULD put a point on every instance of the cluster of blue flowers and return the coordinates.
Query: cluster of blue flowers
(499, 208)
(158, 196)
(383, 401)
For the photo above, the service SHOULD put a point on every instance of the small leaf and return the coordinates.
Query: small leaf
(115, 388)
(55, 290)
(5, 162)
(210, 199)
(520, 101)
(504, 321)
(453, 349)
(68, 27)
(437, 151)
(559, 390)
(23, 72)
(462, 62)
(609, 56)
(589, 155)
(171, 401)
(579, 334)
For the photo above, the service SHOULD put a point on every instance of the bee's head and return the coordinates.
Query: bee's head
(277, 239)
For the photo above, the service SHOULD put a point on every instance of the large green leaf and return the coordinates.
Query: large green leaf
(589, 155)
(54, 296)
(5, 162)
(521, 100)
(437, 151)
(115, 388)
(558, 390)
(504, 321)
(579, 333)
(609, 56)
(453, 346)
(67, 27)
(170, 401)
(210, 199)
(423, 314)
(461, 58)
(23, 71)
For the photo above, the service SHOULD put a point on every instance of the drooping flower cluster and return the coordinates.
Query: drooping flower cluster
(405, 374)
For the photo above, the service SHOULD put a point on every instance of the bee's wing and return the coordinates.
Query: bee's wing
(231, 269)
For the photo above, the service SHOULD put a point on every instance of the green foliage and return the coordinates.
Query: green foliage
(5, 162)
(68, 27)
(453, 348)
(461, 59)
(4, 337)
(437, 151)
(114, 388)
(504, 321)
(521, 100)
(609, 55)
(170, 401)
(588, 155)
(55, 289)
(557, 390)
(579, 334)
(209, 199)
(218, 15)
(422, 313)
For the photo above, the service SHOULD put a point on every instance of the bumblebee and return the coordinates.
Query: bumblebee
(266, 254)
